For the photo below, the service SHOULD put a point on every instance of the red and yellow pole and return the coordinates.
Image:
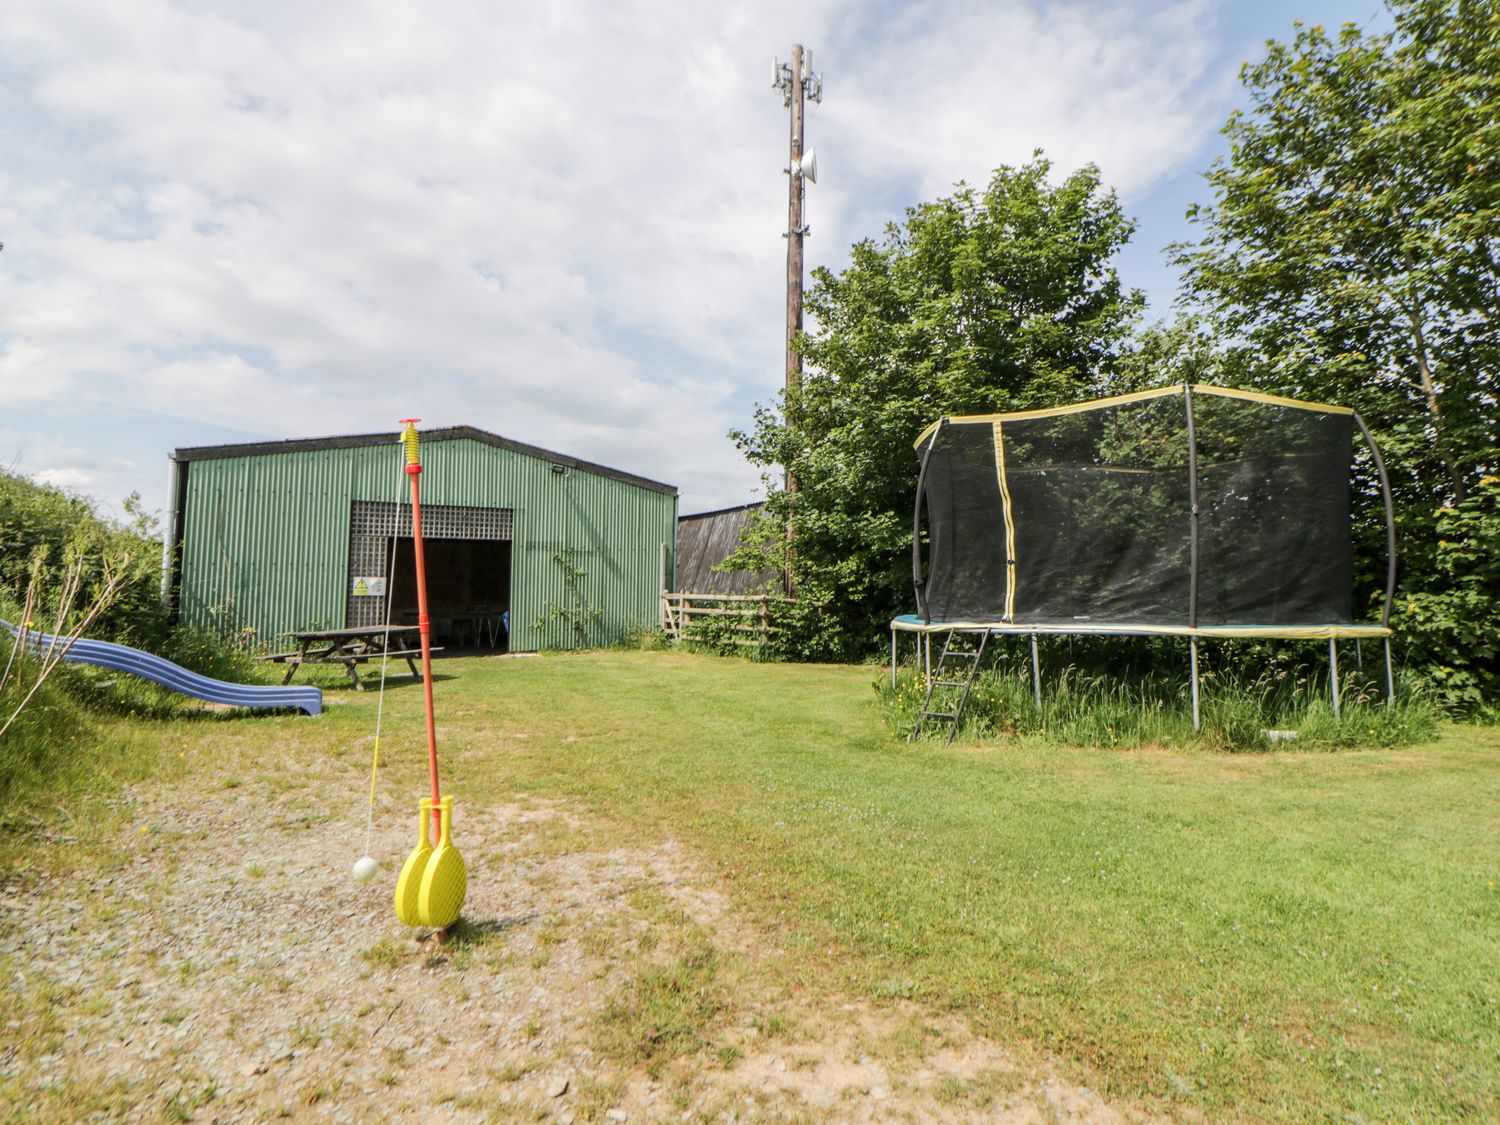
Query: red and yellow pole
(431, 888)
(424, 623)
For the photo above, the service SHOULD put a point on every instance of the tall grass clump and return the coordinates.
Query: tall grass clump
(1153, 710)
(53, 721)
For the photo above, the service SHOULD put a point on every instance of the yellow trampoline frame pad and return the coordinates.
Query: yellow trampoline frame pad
(1138, 396)
(1082, 628)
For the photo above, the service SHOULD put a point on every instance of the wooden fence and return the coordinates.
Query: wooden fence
(745, 618)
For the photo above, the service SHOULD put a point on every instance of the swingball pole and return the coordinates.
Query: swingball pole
(424, 624)
(433, 881)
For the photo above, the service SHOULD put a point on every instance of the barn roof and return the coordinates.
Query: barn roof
(450, 433)
(723, 511)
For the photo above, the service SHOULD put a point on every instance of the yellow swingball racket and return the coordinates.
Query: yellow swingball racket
(445, 881)
(409, 884)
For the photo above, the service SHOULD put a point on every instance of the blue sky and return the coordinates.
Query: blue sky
(231, 221)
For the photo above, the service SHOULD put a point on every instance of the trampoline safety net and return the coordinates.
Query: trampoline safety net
(1185, 508)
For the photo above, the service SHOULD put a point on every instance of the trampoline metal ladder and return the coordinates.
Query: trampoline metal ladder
(959, 657)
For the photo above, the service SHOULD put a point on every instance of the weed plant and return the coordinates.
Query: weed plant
(640, 637)
(53, 721)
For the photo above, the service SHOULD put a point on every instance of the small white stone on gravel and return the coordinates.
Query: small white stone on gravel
(557, 1088)
(565, 1117)
(616, 1115)
(879, 1093)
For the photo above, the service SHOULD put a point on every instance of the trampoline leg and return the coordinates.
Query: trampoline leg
(1193, 669)
(1359, 656)
(1333, 674)
(927, 656)
(893, 659)
(1390, 676)
(1036, 675)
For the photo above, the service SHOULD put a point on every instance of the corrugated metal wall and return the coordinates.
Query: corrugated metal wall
(265, 539)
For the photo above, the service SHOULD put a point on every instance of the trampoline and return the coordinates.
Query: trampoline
(1190, 510)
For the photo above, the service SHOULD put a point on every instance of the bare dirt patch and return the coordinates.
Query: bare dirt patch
(230, 969)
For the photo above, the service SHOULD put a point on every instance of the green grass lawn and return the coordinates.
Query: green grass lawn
(1276, 935)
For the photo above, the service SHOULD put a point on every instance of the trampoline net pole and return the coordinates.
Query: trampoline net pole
(919, 580)
(1192, 452)
(1036, 675)
(1390, 522)
(1333, 674)
(1193, 675)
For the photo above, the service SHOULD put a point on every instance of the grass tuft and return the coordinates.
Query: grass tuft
(666, 1011)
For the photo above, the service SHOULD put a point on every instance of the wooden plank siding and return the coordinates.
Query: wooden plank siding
(704, 541)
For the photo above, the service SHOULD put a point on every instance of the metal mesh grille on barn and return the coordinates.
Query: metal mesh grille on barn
(373, 523)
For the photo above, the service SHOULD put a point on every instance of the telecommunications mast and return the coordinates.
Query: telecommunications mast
(795, 81)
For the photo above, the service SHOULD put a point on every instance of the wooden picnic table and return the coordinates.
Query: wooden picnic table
(350, 647)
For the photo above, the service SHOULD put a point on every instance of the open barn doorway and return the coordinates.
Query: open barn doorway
(468, 556)
(468, 590)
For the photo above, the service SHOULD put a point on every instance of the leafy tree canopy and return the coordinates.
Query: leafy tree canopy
(1351, 239)
(982, 301)
(1349, 255)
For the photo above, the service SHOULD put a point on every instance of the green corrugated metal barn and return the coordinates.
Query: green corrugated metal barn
(280, 536)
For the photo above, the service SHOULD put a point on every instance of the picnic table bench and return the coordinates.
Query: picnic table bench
(350, 647)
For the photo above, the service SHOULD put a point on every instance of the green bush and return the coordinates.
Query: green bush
(42, 522)
(720, 636)
(1451, 630)
(42, 526)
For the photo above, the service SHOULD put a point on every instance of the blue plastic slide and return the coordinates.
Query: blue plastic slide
(122, 658)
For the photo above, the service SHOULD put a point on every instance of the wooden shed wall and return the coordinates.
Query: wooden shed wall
(704, 541)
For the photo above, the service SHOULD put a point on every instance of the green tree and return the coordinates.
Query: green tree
(982, 301)
(1349, 255)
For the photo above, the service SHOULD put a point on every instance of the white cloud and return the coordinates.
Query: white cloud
(558, 221)
(50, 458)
(951, 90)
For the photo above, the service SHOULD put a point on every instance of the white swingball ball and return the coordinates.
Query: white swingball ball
(364, 869)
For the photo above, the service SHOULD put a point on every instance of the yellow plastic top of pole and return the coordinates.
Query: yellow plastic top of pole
(410, 440)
